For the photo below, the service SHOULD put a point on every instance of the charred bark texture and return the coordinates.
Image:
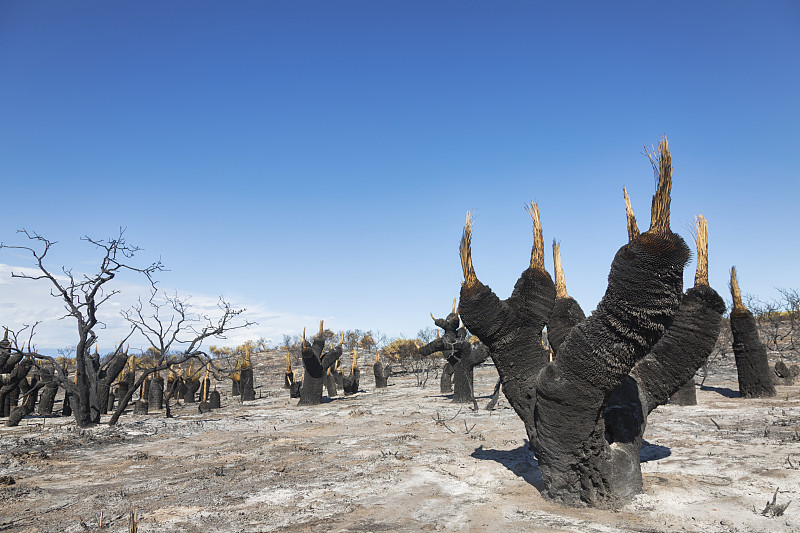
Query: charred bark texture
(381, 373)
(586, 411)
(155, 397)
(246, 385)
(752, 366)
(330, 384)
(783, 376)
(214, 400)
(686, 395)
(141, 407)
(446, 381)
(351, 382)
(566, 314)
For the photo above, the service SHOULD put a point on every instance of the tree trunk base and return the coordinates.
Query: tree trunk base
(686, 395)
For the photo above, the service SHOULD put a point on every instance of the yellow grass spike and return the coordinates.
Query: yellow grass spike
(537, 251)
(355, 359)
(320, 326)
(288, 360)
(633, 228)
(558, 272)
(738, 305)
(454, 305)
(341, 338)
(465, 253)
(701, 240)
(662, 165)
(377, 357)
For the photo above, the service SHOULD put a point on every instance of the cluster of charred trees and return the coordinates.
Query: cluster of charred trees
(30, 386)
(323, 368)
(172, 328)
(585, 411)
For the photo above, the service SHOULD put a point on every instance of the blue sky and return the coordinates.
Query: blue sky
(315, 160)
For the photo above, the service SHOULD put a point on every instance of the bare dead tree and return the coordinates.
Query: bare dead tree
(82, 295)
(168, 322)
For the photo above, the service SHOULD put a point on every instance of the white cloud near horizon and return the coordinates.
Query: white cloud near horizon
(26, 301)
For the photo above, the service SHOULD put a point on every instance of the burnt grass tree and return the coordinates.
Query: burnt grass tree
(459, 352)
(316, 365)
(585, 412)
(752, 366)
(381, 372)
(350, 383)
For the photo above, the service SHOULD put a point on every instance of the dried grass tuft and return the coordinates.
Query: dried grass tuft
(633, 228)
(537, 252)
(561, 285)
(662, 167)
(701, 241)
(738, 305)
(465, 252)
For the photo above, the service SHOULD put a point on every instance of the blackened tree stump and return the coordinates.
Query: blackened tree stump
(155, 396)
(752, 365)
(381, 373)
(446, 381)
(214, 400)
(246, 385)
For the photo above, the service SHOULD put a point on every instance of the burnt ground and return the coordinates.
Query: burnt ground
(399, 459)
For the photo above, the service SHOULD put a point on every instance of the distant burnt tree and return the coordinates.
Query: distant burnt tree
(381, 372)
(351, 382)
(752, 366)
(585, 412)
(459, 352)
(316, 364)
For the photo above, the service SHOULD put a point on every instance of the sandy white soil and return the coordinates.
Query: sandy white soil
(399, 459)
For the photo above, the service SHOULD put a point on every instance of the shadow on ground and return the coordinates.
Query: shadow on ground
(653, 452)
(520, 461)
(728, 393)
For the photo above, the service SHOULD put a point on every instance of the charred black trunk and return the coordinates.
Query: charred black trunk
(246, 385)
(192, 385)
(463, 371)
(330, 384)
(235, 389)
(351, 382)
(686, 395)
(214, 400)
(783, 375)
(752, 366)
(47, 399)
(381, 373)
(446, 381)
(66, 406)
(141, 407)
(294, 390)
(155, 397)
(16, 369)
(316, 367)
(111, 401)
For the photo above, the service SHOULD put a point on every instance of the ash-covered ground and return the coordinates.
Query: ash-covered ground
(399, 459)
